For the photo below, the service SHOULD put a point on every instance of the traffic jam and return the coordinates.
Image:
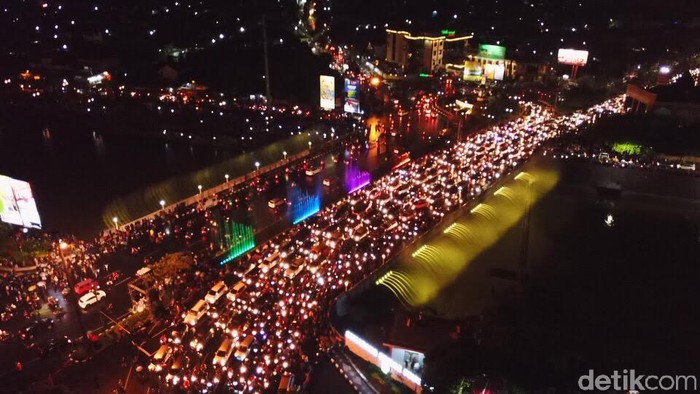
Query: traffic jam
(257, 332)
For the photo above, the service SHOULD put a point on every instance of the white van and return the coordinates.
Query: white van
(236, 290)
(221, 356)
(270, 261)
(244, 348)
(196, 313)
(216, 292)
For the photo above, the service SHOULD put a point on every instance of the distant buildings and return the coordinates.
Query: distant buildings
(424, 53)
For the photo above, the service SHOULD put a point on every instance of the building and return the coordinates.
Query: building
(424, 53)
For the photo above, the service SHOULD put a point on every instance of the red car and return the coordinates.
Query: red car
(85, 286)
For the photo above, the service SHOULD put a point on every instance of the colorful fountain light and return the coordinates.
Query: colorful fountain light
(237, 238)
(356, 179)
(304, 206)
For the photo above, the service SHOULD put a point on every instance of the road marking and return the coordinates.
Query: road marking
(159, 332)
(122, 281)
(128, 375)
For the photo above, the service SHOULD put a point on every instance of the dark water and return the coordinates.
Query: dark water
(75, 173)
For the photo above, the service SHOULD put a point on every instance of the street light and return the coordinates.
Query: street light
(285, 155)
(309, 145)
(226, 176)
(116, 222)
(199, 187)
(162, 204)
(257, 166)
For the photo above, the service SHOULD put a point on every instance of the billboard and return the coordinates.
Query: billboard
(352, 96)
(494, 71)
(327, 92)
(472, 71)
(572, 57)
(17, 205)
(492, 51)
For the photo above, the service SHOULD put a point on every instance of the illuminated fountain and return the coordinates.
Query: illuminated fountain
(418, 278)
(237, 239)
(303, 206)
(356, 179)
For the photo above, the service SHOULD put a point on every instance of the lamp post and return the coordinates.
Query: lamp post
(62, 247)
(309, 145)
(226, 176)
(199, 187)
(162, 204)
(257, 166)
(285, 155)
(115, 220)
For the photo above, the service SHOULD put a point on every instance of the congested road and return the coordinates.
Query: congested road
(263, 321)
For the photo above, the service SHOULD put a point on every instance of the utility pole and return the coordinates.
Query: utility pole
(267, 63)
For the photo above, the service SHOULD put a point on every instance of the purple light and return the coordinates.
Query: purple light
(356, 179)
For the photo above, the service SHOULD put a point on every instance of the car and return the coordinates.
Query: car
(236, 290)
(160, 358)
(85, 286)
(311, 171)
(198, 310)
(35, 328)
(143, 271)
(244, 348)
(276, 202)
(216, 292)
(294, 268)
(330, 181)
(221, 356)
(91, 298)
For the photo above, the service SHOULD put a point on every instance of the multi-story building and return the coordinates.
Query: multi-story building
(424, 53)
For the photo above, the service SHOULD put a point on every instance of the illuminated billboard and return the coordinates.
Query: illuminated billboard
(472, 71)
(17, 205)
(572, 57)
(494, 71)
(492, 51)
(352, 96)
(327, 92)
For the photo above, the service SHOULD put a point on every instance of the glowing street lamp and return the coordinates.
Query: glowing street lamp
(162, 204)
(199, 187)
(285, 155)
(257, 166)
(226, 176)
(116, 222)
(309, 145)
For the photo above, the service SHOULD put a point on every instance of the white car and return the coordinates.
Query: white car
(91, 298)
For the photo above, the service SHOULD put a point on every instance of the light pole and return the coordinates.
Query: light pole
(226, 176)
(115, 220)
(257, 166)
(162, 204)
(309, 145)
(71, 289)
(199, 187)
(285, 155)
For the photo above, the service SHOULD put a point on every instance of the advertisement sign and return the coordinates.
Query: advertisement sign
(17, 205)
(494, 72)
(352, 96)
(572, 57)
(492, 51)
(327, 92)
(473, 71)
